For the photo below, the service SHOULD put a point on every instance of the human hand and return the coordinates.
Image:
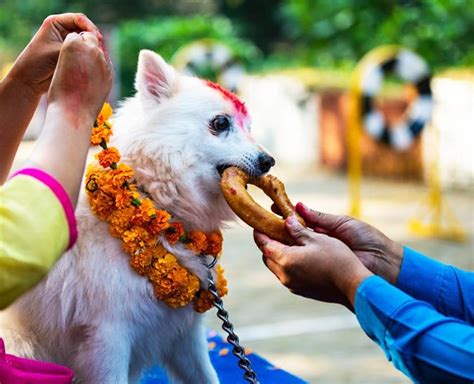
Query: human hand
(317, 266)
(381, 255)
(35, 66)
(80, 84)
(82, 79)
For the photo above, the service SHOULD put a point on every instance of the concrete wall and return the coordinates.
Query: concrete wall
(453, 122)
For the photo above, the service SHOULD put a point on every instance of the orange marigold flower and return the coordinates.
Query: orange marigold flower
(159, 222)
(135, 239)
(203, 302)
(99, 133)
(197, 242)
(115, 199)
(158, 251)
(172, 283)
(120, 175)
(174, 232)
(142, 261)
(101, 204)
(108, 156)
(120, 221)
(214, 244)
(144, 212)
(123, 198)
(204, 299)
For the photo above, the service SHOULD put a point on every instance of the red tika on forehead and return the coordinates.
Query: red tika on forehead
(232, 97)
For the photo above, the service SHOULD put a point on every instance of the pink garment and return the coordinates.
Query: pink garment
(16, 370)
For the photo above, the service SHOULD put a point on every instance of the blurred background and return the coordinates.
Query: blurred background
(292, 62)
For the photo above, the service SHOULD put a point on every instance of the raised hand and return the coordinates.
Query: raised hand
(36, 64)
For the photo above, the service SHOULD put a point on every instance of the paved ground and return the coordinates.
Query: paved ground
(322, 343)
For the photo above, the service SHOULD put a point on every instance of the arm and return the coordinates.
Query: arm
(422, 343)
(447, 288)
(17, 105)
(419, 276)
(29, 78)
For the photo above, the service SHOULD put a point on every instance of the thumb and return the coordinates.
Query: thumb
(320, 220)
(298, 232)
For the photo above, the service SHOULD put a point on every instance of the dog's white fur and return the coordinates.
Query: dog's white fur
(92, 312)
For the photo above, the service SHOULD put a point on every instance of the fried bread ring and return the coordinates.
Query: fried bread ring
(234, 187)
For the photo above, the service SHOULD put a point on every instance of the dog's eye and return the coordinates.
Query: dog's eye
(220, 123)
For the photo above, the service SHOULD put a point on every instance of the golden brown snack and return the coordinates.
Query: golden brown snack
(234, 187)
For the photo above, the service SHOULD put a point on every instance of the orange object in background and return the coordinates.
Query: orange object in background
(378, 159)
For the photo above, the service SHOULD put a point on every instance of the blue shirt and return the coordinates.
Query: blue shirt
(425, 325)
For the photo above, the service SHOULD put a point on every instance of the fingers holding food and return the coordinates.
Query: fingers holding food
(234, 188)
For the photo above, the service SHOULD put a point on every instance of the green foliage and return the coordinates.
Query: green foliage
(291, 33)
(340, 32)
(167, 35)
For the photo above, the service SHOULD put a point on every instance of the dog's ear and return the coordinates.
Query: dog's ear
(155, 78)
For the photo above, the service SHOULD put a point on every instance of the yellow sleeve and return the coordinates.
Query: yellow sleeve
(34, 232)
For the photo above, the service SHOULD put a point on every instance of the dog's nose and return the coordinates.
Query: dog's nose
(265, 162)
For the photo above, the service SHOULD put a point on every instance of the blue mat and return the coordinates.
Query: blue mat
(227, 369)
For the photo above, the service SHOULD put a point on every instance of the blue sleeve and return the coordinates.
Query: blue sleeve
(425, 345)
(448, 289)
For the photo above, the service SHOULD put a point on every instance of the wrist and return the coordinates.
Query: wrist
(73, 116)
(389, 264)
(350, 282)
(21, 87)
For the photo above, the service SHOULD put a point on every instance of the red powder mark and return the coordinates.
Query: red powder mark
(232, 97)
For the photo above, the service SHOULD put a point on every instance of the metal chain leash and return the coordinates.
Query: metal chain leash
(238, 351)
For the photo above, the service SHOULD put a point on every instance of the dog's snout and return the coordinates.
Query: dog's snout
(265, 162)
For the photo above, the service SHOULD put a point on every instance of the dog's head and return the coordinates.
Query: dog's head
(180, 133)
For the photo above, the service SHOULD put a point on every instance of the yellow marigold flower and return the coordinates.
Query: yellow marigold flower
(130, 236)
(104, 114)
(108, 156)
(197, 241)
(174, 232)
(221, 282)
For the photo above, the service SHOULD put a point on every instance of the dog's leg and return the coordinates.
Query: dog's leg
(189, 362)
(103, 356)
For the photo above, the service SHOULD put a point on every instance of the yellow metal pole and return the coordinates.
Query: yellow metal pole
(354, 149)
(354, 134)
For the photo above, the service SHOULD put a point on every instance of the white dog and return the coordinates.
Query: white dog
(93, 313)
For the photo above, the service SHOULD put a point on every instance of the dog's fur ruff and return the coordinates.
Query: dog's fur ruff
(92, 312)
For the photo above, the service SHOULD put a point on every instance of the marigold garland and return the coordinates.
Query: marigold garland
(114, 198)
